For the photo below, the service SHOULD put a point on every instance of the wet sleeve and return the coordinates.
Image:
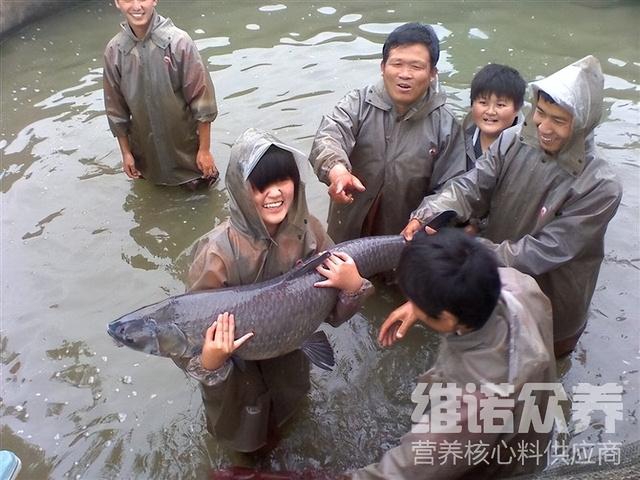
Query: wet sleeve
(118, 113)
(452, 159)
(349, 304)
(208, 270)
(336, 137)
(197, 86)
(209, 378)
(322, 238)
(468, 195)
(557, 242)
(407, 460)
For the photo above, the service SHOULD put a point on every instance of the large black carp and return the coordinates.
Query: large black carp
(283, 312)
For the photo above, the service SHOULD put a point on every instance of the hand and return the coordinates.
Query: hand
(412, 227)
(219, 343)
(471, 229)
(129, 166)
(397, 324)
(343, 184)
(340, 272)
(206, 164)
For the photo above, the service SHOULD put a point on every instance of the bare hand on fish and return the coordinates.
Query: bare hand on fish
(219, 341)
(340, 272)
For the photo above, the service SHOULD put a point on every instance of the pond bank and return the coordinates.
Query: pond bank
(18, 13)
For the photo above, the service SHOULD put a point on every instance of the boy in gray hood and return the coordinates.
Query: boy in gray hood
(547, 195)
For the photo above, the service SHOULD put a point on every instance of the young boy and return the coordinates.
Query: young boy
(495, 330)
(497, 95)
(159, 99)
(547, 195)
(269, 230)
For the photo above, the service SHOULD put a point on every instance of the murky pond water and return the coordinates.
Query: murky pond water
(82, 244)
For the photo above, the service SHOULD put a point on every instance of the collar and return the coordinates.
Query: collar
(158, 32)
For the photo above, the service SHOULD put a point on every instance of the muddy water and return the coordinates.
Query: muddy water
(82, 244)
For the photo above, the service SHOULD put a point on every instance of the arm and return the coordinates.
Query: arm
(452, 159)
(117, 110)
(469, 195)
(333, 143)
(208, 269)
(204, 158)
(128, 161)
(199, 94)
(556, 242)
(342, 273)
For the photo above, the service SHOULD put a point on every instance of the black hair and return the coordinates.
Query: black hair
(275, 164)
(450, 271)
(409, 34)
(546, 97)
(501, 80)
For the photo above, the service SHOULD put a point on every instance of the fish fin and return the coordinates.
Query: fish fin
(319, 351)
(308, 265)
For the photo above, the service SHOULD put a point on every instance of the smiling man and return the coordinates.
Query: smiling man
(385, 146)
(159, 99)
(547, 195)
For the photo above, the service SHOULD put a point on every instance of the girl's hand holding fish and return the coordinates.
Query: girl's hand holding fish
(341, 272)
(219, 342)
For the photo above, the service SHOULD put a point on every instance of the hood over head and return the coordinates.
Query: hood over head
(578, 88)
(246, 151)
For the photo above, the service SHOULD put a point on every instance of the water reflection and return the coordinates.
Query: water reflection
(81, 244)
(165, 223)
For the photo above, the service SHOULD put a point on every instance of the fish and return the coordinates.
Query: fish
(283, 313)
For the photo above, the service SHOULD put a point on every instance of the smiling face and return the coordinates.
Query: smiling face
(493, 114)
(407, 74)
(138, 14)
(554, 125)
(273, 203)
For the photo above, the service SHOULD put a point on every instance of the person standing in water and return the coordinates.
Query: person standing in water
(159, 99)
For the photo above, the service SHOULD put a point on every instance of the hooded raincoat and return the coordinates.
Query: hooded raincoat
(546, 215)
(514, 347)
(156, 90)
(398, 158)
(243, 405)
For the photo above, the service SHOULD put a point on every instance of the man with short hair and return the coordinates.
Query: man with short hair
(496, 348)
(547, 195)
(159, 99)
(385, 146)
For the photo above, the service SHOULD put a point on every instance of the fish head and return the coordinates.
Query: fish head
(151, 335)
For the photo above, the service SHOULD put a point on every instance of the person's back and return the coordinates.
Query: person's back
(159, 99)
(385, 146)
(496, 339)
(497, 96)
